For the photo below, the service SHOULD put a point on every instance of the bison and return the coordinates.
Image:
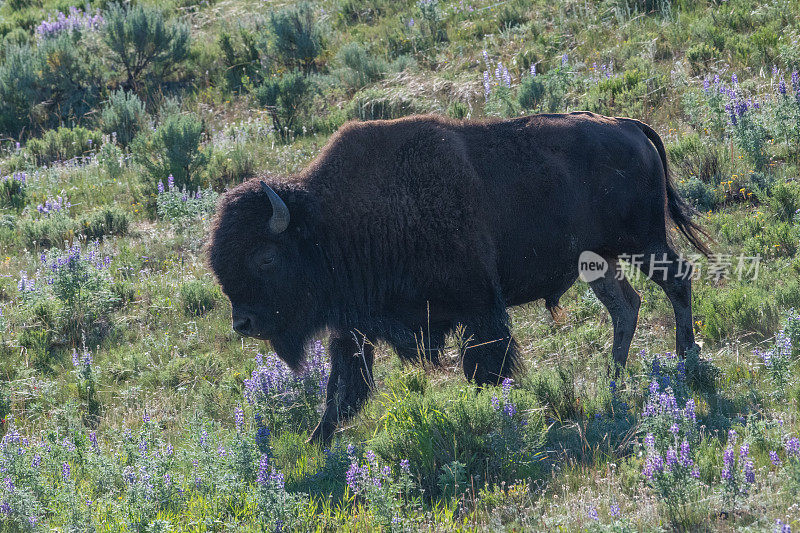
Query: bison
(403, 230)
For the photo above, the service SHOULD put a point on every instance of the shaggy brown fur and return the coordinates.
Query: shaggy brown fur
(402, 230)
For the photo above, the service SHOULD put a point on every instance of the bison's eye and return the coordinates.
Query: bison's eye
(267, 258)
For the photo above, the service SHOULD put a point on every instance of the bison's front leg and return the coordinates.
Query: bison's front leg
(489, 352)
(349, 384)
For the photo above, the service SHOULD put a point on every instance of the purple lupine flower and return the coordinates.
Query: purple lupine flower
(533, 69)
(695, 473)
(36, 461)
(510, 410)
(370, 456)
(171, 182)
(795, 80)
(495, 403)
(65, 471)
(263, 474)
(686, 459)
(564, 60)
(352, 476)
(792, 446)
(773, 457)
(160, 187)
(593, 513)
(650, 441)
(614, 510)
(238, 417)
(749, 472)
(405, 466)
(689, 410)
(744, 450)
(674, 429)
(672, 458)
(734, 79)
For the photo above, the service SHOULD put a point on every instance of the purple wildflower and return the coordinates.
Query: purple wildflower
(773, 456)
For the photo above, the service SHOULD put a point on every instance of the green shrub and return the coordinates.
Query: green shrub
(63, 144)
(287, 100)
(19, 84)
(199, 297)
(74, 288)
(624, 94)
(785, 200)
(693, 158)
(379, 104)
(509, 17)
(230, 167)
(48, 232)
(111, 159)
(501, 103)
(13, 190)
(703, 196)
(109, 220)
(241, 51)
(297, 36)
(173, 149)
(56, 81)
(359, 68)
(490, 434)
(123, 116)
(143, 43)
(545, 92)
(430, 26)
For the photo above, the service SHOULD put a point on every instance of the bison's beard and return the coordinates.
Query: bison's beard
(290, 347)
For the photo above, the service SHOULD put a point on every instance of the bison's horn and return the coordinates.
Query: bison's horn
(280, 213)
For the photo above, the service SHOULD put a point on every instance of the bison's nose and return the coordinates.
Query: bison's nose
(242, 323)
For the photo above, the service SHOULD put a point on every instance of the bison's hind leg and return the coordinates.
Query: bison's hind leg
(489, 352)
(622, 302)
(676, 280)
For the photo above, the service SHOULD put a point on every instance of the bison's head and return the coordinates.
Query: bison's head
(256, 252)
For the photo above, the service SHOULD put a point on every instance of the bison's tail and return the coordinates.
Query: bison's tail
(679, 211)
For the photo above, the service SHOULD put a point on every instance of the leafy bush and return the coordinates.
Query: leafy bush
(297, 36)
(78, 283)
(179, 206)
(111, 159)
(199, 297)
(173, 149)
(56, 81)
(123, 116)
(545, 92)
(430, 28)
(47, 232)
(63, 144)
(143, 43)
(700, 194)
(380, 104)
(228, 167)
(241, 50)
(360, 69)
(287, 99)
(13, 190)
(785, 200)
(495, 426)
(108, 220)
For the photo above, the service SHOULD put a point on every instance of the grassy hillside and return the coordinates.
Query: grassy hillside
(129, 404)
